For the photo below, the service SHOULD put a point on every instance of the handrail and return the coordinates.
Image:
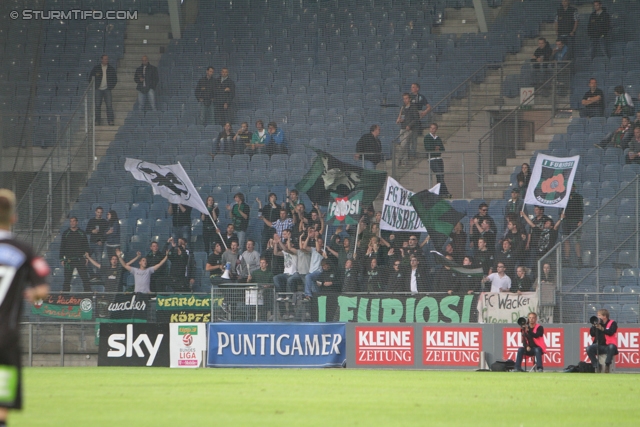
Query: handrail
(595, 217)
(466, 81)
(53, 149)
(513, 112)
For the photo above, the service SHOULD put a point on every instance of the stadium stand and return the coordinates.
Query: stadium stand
(321, 73)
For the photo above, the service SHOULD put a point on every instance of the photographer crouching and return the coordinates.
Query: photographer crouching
(532, 342)
(605, 340)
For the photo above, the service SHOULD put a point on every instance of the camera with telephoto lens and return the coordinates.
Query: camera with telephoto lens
(594, 320)
(522, 321)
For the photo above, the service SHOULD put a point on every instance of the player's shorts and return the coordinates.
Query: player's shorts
(10, 379)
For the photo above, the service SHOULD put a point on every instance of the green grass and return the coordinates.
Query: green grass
(141, 397)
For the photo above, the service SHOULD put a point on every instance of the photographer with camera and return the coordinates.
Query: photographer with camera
(532, 341)
(605, 340)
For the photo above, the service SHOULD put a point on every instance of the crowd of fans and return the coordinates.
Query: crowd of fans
(294, 256)
(292, 252)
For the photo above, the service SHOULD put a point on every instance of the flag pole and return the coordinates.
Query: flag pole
(326, 233)
(355, 247)
(218, 231)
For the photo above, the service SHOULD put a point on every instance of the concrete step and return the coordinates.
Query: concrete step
(505, 170)
(134, 62)
(144, 49)
(451, 14)
(105, 133)
(519, 160)
(500, 179)
(546, 138)
(121, 106)
(489, 194)
(532, 146)
(554, 129)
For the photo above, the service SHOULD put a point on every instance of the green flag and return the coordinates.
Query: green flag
(462, 269)
(345, 209)
(437, 215)
(329, 175)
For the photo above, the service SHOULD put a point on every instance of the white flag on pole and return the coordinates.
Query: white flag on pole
(170, 181)
(551, 181)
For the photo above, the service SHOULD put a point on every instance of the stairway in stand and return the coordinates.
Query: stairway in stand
(148, 35)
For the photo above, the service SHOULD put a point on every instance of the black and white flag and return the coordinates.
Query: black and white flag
(169, 181)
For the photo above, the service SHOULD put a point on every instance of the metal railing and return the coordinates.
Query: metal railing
(609, 242)
(507, 136)
(461, 181)
(60, 176)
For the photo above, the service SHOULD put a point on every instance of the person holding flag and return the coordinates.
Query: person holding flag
(240, 217)
(172, 183)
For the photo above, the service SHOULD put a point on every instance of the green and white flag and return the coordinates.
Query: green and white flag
(551, 181)
(345, 209)
(329, 175)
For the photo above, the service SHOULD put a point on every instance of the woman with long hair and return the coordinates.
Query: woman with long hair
(524, 176)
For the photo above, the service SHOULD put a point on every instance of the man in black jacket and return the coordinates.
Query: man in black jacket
(598, 29)
(159, 278)
(106, 80)
(204, 93)
(416, 277)
(369, 143)
(566, 22)
(410, 128)
(72, 249)
(225, 92)
(434, 147)
(146, 78)
(182, 275)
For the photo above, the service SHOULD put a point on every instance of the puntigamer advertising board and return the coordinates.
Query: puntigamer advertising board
(309, 345)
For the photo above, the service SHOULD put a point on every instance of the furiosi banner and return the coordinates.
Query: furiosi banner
(398, 309)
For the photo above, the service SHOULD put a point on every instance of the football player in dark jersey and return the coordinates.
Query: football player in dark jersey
(22, 275)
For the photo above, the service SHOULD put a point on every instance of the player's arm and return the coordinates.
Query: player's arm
(37, 292)
(39, 271)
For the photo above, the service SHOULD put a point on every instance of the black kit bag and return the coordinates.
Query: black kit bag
(503, 365)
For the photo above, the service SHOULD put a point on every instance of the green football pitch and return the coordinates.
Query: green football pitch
(144, 397)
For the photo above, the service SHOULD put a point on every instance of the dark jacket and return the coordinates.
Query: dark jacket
(205, 90)
(221, 95)
(151, 78)
(183, 265)
(545, 52)
(74, 244)
(370, 144)
(411, 118)
(422, 279)
(154, 259)
(598, 24)
(102, 224)
(112, 78)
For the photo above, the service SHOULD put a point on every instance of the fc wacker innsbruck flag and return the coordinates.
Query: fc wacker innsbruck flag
(551, 181)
